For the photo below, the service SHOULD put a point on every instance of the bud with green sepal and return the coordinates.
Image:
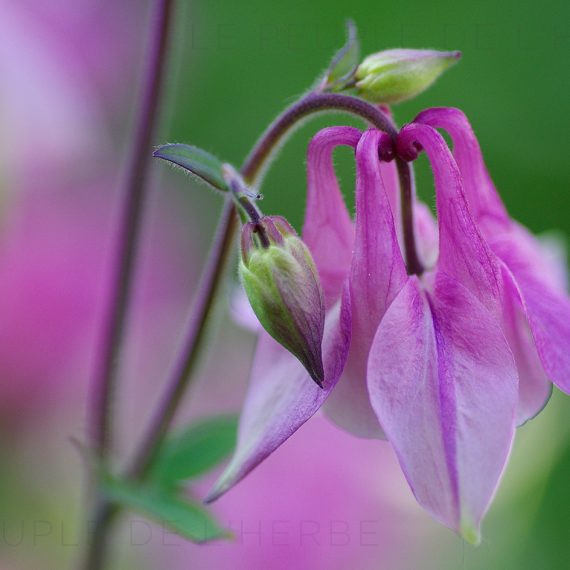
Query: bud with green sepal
(395, 75)
(283, 287)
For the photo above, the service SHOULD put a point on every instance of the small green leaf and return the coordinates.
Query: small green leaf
(182, 516)
(196, 161)
(196, 450)
(345, 61)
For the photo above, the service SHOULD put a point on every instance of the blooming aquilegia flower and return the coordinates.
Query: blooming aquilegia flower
(445, 359)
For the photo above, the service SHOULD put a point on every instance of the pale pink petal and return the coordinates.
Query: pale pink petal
(524, 257)
(546, 305)
(427, 238)
(241, 311)
(377, 274)
(548, 314)
(535, 388)
(282, 396)
(443, 383)
(524, 253)
(328, 228)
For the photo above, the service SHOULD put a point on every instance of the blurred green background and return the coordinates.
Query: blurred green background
(237, 64)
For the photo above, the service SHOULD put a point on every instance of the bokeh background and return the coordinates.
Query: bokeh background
(69, 72)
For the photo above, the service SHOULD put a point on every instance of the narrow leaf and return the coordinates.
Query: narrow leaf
(196, 450)
(345, 61)
(180, 515)
(196, 161)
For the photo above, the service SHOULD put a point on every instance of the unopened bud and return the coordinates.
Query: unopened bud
(398, 74)
(283, 287)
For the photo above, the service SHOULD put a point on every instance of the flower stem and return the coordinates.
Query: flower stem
(310, 104)
(413, 264)
(262, 152)
(105, 374)
(133, 194)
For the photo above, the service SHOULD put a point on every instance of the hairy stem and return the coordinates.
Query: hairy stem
(131, 208)
(294, 115)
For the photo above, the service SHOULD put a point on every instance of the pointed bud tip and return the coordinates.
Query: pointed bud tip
(395, 75)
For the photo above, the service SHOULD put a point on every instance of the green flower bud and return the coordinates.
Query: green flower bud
(283, 287)
(398, 74)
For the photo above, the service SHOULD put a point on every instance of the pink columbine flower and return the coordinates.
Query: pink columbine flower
(435, 357)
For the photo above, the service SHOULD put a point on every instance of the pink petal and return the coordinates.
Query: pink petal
(527, 261)
(463, 253)
(523, 253)
(376, 275)
(548, 314)
(443, 383)
(328, 228)
(535, 388)
(481, 194)
(282, 396)
(427, 238)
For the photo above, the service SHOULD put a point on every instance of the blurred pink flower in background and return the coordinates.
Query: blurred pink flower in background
(324, 500)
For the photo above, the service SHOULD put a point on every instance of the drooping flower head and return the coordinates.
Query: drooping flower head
(445, 362)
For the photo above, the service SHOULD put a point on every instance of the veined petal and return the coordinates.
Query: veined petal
(463, 253)
(525, 254)
(377, 274)
(486, 204)
(328, 230)
(537, 274)
(482, 196)
(535, 388)
(548, 314)
(443, 383)
(282, 396)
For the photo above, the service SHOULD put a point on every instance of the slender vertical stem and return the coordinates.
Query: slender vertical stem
(413, 264)
(129, 223)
